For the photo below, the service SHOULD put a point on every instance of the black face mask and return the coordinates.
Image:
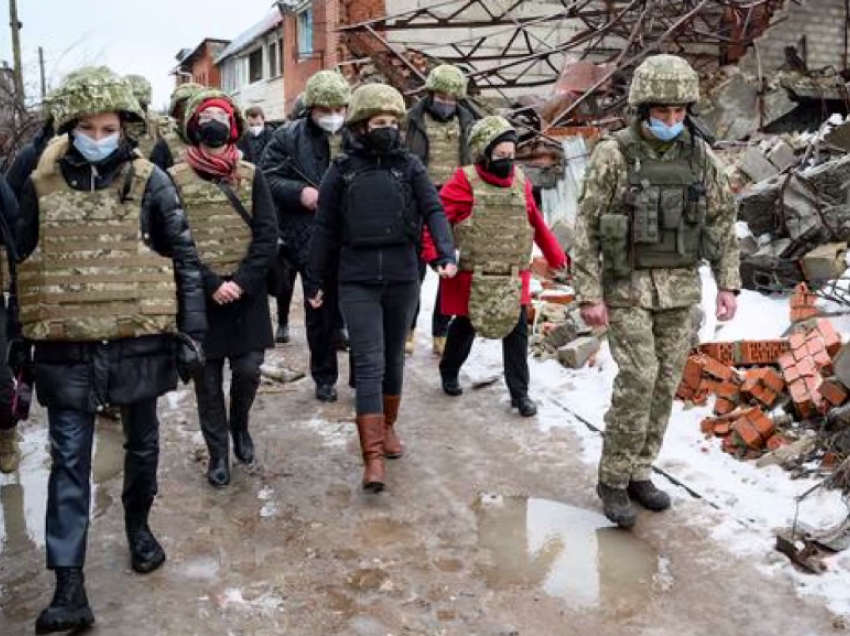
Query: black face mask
(383, 139)
(500, 167)
(214, 133)
(442, 111)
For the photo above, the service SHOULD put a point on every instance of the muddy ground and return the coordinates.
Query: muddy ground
(489, 526)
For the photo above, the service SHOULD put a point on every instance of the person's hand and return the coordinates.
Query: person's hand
(310, 198)
(727, 305)
(228, 292)
(190, 357)
(317, 300)
(595, 314)
(447, 271)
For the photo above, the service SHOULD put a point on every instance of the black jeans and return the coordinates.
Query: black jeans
(322, 324)
(284, 297)
(514, 353)
(439, 321)
(378, 319)
(7, 385)
(69, 486)
(212, 409)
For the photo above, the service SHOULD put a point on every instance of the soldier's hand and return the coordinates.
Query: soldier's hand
(595, 314)
(310, 198)
(447, 271)
(317, 300)
(727, 305)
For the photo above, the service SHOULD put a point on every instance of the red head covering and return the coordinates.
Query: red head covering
(217, 102)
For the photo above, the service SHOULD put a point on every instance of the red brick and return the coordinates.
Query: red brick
(806, 368)
(717, 370)
(692, 373)
(772, 380)
(748, 433)
(831, 339)
(791, 374)
(729, 390)
(796, 341)
(787, 360)
(823, 362)
(707, 426)
(722, 429)
(815, 345)
(776, 441)
(763, 423)
(723, 406)
(834, 392)
(729, 445)
(799, 392)
(723, 352)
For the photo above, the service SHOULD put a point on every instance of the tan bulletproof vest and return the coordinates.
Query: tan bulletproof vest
(443, 148)
(91, 276)
(221, 236)
(334, 145)
(497, 237)
(176, 146)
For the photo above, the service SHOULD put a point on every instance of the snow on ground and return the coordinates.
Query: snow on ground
(746, 504)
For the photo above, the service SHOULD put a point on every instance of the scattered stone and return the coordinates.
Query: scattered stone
(825, 262)
(576, 354)
(756, 166)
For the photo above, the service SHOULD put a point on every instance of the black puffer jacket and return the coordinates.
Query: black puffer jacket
(27, 159)
(416, 135)
(252, 147)
(297, 157)
(84, 375)
(161, 154)
(397, 263)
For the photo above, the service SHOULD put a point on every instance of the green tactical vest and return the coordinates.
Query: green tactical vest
(665, 200)
(92, 276)
(221, 235)
(176, 146)
(334, 145)
(443, 148)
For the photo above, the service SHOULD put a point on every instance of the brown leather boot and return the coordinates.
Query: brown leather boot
(371, 430)
(392, 444)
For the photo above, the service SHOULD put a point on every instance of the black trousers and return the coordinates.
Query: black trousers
(7, 385)
(439, 321)
(284, 297)
(514, 353)
(378, 319)
(212, 408)
(322, 324)
(69, 486)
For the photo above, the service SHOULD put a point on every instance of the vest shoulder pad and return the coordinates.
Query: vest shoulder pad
(246, 170)
(181, 173)
(53, 152)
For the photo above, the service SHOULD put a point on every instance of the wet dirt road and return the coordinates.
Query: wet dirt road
(488, 527)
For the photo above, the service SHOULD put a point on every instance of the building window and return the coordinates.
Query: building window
(305, 32)
(255, 66)
(274, 60)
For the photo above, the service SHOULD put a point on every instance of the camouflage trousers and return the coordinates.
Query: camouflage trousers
(650, 348)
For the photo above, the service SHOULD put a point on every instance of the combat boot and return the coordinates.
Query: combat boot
(410, 343)
(526, 406)
(648, 496)
(371, 430)
(392, 444)
(69, 609)
(10, 455)
(616, 505)
(146, 553)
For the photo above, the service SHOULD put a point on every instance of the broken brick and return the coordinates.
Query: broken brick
(748, 433)
(763, 424)
(722, 406)
(722, 429)
(772, 380)
(723, 352)
(831, 339)
(834, 392)
(707, 426)
(797, 341)
(776, 441)
(729, 390)
(717, 370)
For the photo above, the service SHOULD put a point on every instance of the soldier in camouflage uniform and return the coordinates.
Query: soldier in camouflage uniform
(111, 302)
(655, 204)
(437, 131)
(496, 224)
(147, 132)
(170, 145)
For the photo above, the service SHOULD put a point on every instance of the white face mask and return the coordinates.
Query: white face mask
(256, 130)
(95, 151)
(331, 123)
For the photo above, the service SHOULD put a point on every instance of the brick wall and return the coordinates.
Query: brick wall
(203, 71)
(822, 22)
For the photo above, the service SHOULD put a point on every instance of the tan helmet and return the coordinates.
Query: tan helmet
(141, 89)
(485, 132)
(447, 79)
(664, 79)
(182, 94)
(327, 89)
(90, 91)
(195, 102)
(374, 99)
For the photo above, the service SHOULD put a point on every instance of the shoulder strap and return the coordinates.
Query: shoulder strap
(181, 173)
(235, 202)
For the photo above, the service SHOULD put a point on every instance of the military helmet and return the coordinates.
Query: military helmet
(194, 104)
(183, 93)
(327, 89)
(141, 89)
(485, 132)
(373, 99)
(90, 91)
(664, 79)
(447, 79)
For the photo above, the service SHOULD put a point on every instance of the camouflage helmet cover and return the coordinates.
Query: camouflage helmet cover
(183, 93)
(374, 99)
(486, 131)
(194, 104)
(664, 79)
(90, 91)
(447, 79)
(327, 89)
(141, 88)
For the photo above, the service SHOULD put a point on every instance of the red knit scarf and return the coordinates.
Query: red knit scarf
(221, 166)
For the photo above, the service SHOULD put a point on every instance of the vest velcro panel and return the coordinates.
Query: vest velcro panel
(443, 148)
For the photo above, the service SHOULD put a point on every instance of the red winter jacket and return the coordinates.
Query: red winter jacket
(458, 202)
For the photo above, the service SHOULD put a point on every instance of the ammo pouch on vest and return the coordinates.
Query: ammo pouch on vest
(495, 302)
(377, 211)
(614, 240)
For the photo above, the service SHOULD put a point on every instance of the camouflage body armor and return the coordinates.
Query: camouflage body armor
(334, 145)
(495, 244)
(176, 146)
(221, 235)
(91, 276)
(443, 148)
(148, 134)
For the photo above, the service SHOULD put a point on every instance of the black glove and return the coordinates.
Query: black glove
(190, 357)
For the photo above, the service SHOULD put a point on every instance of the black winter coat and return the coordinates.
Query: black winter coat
(297, 157)
(161, 154)
(397, 263)
(245, 325)
(252, 147)
(27, 159)
(82, 376)
(416, 135)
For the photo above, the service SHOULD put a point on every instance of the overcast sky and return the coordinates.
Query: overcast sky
(128, 36)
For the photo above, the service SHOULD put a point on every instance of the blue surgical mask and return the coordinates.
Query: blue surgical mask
(664, 132)
(96, 151)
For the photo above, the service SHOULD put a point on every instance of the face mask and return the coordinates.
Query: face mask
(214, 133)
(256, 130)
(443, 111)
(331, 123)
(95, 151)
(664, 132)
(383, 139)
(501, 167)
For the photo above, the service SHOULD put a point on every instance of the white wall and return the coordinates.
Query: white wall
(266, 93)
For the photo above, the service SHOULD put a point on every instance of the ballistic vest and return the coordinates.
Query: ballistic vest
(222, 237)
(176, 146)
(92, 276)
(443, 148)
(334, 146)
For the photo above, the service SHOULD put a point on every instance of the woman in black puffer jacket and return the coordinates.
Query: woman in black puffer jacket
(373, 203)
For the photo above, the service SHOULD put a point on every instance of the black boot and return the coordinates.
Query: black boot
(451, 386)
(326, 392)
(527, 407)
(282, 335)
(616, 505)
(146, 554)
(69, 608)
(218, 470)
(648, 496)
(243, 445)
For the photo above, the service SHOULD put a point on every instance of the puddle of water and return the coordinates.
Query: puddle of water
(572, 554)
(204, 569)
(385, 531)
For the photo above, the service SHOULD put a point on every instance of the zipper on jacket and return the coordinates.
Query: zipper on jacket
(94, 175)
(380, 264)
